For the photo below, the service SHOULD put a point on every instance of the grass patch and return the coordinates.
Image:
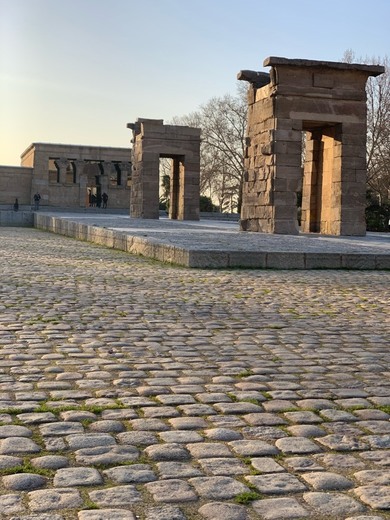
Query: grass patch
(246, 373)
(27, 467)
(252, 400)
(56, 410)
(385, 408)
(247, 497)
(88, 504)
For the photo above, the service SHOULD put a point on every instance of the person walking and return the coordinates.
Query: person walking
(105, 199)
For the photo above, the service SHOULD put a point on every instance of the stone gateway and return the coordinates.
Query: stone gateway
(153, 140)
(306, 131)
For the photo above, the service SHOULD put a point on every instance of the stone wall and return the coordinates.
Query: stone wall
(15, 182)
(67, 186)
(12, 218)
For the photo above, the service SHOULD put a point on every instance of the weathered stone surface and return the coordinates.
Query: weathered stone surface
(8, 461)
(181, 436)
(375, 477)
(252, 448)
(341, 442)
(24, 482)
(167, 451)
(173, 490)
(18, 445)
(14, 431)
(165, 513)
(334, 504)
(297, 445)
(136, 473)
(89, 440)
(223, 466)
(280, 508)
(11, 503)
(54, 499)
(326, 481)
(107, 455)
(376, 496)
(208, 450)
(72, 477)
(61, 428)
(217, 488)
(116, 496)
(266, 465)
(276, 483)
(50, 462)
(177, 470)
(227, 511)
(222, 434)
(106, 514)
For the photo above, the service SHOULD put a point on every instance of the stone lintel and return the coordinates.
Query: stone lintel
(257, 79)
(371, 70)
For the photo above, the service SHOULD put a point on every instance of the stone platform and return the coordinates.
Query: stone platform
(219, 244)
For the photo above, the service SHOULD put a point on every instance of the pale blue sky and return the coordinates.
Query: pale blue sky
(77, 71)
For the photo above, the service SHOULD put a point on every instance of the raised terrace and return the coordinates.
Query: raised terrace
(218, 244)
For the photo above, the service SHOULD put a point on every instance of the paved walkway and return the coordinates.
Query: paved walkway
(130, 389)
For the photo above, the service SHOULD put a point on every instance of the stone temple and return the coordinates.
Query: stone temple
(306, 131)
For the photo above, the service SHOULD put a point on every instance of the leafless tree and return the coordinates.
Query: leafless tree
(223, 124)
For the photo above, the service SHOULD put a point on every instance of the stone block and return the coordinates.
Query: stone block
(289, 135)
(358, 261)
(323, 261)
(286, 260)
(209, 259)
(288, 147)
(382, 261)
(247, 259)
(288, 159)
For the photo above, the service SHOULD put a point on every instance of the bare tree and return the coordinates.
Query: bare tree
(378, 127)
(223, 124)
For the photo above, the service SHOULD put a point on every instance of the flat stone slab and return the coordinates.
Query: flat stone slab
(52, 499)
(116, 496)
(280, 509)
(174, 490)
(218, 488)
(227, 511)
(72, 477)
(106, 514)
(333, 504)
(327, 481)
(377, 497)
(276, 484)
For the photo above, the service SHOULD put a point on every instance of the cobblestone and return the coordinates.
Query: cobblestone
(164, 393)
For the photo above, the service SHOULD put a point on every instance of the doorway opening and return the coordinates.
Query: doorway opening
(321, 185)
(172, 184)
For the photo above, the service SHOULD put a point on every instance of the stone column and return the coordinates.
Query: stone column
(82, 179)
(62, 165)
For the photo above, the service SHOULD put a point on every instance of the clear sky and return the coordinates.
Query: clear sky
(77, 71)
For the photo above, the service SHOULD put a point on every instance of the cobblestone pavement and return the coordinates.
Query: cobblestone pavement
(129, 389)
